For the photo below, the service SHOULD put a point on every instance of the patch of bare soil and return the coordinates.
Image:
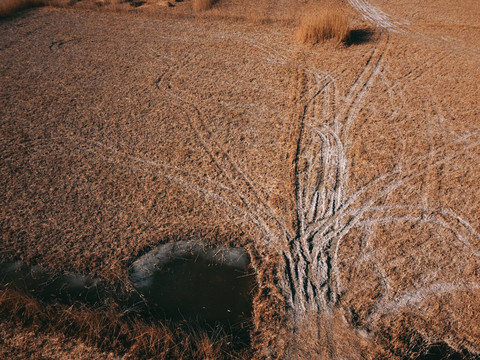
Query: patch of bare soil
(349, 173)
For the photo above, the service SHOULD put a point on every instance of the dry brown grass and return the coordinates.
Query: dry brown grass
(77, 193)
(315, 334)
(109, 329)
(324, 24)
(202, 5)
(8, 7)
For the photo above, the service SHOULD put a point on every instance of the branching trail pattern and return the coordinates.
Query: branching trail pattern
(326, 213)
(375, 15)
(252, 203)
(385, 22)
(310, 279)
(327, 210)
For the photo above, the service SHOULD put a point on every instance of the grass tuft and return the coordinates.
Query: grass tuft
(324, 24)
(8, 7)
(202, 5)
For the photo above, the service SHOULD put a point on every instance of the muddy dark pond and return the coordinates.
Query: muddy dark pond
(188, 281)
(66, 288)
(194, 287)
(441, 351)
(176, 281)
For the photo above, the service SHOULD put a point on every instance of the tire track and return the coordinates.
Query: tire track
(109, 154)
(355, 97)
(261, 213)
(385, 22)
(303, 157)
(375, 15)
(324, 213)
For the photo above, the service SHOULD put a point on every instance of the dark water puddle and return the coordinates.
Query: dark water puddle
(176, 282)
(185, 280)
(441, 351)
(42, 284)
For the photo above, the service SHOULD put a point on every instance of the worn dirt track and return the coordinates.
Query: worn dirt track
(350, 173)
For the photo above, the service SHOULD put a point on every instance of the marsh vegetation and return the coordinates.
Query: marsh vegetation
(332, 174)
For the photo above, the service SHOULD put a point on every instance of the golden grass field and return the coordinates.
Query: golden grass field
(323, 24)
(337, 142)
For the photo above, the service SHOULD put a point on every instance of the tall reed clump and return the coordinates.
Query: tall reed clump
(324, 24)
(202, 5)
(8, 7)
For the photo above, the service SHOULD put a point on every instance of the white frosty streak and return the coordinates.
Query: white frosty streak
(375, 15)
(411, 299)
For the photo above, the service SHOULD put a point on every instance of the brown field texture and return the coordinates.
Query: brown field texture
(202, 5)
(323, 24)
(349, 170)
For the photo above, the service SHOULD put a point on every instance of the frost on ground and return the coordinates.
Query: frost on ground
(375, 15)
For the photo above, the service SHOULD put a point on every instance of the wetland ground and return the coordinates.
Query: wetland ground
(347, 172)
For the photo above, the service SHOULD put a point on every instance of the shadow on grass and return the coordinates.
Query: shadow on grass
(359, 36)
